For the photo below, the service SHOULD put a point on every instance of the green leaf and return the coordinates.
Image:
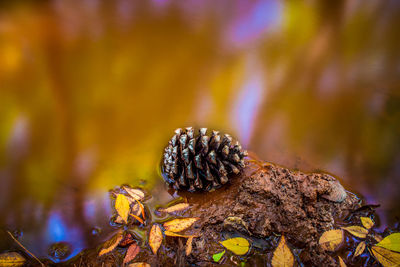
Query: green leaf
(122, 207)
(237, 245)
(217, 257)
(391, 242)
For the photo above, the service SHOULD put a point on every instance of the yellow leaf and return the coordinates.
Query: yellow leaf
(237, 245)
(330, 240)
(111, 244)
(139, 264)
(386, 257)
(11, 259)
(122, 207)
(179, 225)
(367, 222)
(189, 246)
(155, 238)
(391, 242)
(175, 208)
(359, 249)
(282, 255)
(357, 231)
(341, 262)
(169, 233)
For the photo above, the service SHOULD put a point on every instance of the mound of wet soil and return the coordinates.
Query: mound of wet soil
(268, 201)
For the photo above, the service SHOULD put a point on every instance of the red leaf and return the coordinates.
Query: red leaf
(131, 253)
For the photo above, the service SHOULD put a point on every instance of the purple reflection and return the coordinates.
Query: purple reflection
(248, 102)
(253, 23)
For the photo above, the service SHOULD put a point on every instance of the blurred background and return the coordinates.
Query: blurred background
(91, 91)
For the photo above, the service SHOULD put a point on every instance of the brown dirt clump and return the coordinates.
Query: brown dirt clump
(267, 201)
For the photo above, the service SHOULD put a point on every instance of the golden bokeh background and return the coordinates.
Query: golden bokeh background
(91, 91)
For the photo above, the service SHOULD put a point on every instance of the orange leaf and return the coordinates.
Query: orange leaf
(175, 208)
(142, 209)
(111, 244)
(178, 225)
(341, 262)
(282, 255)
(131, 253)
(137, 218)
(155, 238)
(189, 245)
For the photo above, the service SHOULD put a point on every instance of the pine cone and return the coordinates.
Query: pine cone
(201, 162)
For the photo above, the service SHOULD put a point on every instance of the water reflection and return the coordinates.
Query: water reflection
(91, 91)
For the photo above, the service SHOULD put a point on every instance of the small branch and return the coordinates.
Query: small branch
(27, 251)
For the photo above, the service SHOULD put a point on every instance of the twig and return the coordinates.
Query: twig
(27, 251)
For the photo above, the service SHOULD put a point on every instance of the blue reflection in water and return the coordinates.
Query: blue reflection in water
(59, 231)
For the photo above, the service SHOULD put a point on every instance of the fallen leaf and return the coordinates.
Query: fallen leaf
(126, 240)
(131, 253)
(141, 209)
(237, 245)
(137, 218)
(11, 259)
(386, 257)
(367, 222)
(359, 249)
(111, 244)
(136, 209)
(217, 257)
(189, 246)
(139, 264)
(282, 255)
(175, 208)
(391, 242)
(122, 207)
(341, 262)
(137, 194)
(357, 231)
(169, 233)
(119, 220)
(178, 225)
(330, 240)
(155, 238)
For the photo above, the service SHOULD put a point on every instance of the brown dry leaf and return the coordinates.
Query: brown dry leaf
(175, 208)
(131, 253)
(169, 233)
(136, 209)
(282, 255)
(135, 193)
(111, 244)
(139, 264)
(189, 246)
(155, 238)
(122, 207)
(367, 222)
(386, 257)
(330, 240)
(357, 231)
(359, 249)
(178, 225)
(11, 259)
(341, 262)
